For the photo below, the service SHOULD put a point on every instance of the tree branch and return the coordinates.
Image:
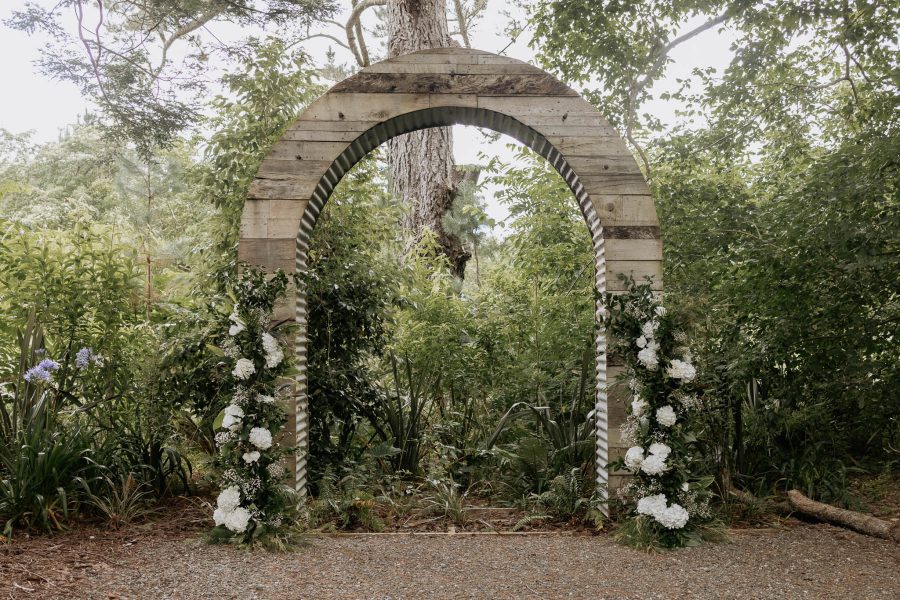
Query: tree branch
(639, 85)
(461, 20)
(358, 48)
(182, 31)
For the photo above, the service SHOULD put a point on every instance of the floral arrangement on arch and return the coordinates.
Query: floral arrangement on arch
(668, 497)
(253, 502)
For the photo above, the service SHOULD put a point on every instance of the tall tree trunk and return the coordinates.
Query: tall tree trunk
(422, 167)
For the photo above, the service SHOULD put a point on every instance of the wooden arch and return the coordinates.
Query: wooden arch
(441, 87)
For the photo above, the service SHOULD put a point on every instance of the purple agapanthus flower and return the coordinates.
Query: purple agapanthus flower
(83, 357)
(37, 374)
(48, 365)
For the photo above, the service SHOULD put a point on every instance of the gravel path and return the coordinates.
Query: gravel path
(803, 561)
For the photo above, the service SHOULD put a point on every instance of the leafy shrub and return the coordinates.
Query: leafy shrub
(41, 455)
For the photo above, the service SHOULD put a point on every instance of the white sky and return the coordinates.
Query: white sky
(31, 102)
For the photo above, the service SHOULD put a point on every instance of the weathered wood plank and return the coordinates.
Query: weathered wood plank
(533, 84)
(613, 184)
(510, 68)
(306, 135)
(637, 269)
(553, 111)
(297, 185)
(625, 210)
(632, 249)
(251, 251)
(307, 150)
(255, 219)
(604, 164)
(326, 125)
(364, 107)
(588, 145)
(295, 169)
(453, 100)
(631, 233)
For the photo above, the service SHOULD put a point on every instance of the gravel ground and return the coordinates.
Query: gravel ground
(800, 561)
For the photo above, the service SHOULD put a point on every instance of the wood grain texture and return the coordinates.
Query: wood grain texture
(493, 84)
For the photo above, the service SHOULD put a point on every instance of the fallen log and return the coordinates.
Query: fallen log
(850, 519)
(748, 499)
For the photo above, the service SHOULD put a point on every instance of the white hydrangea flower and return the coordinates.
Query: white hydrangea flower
(654, 465)
(673, 517)
(261, 438)
(680, 369)
(274, 359)
(638, 406)
(229, 499)
(670, 517)
(251, 457)
(237, 325)
(233, 416)
(219, 516)
(237, 520)
(649, 328)
(262, 398)
(665, 416)
(274, 354)
(641, 342)
(651, 505)
(648, 358)
(634, 458)
(661, 450)
(244, 368)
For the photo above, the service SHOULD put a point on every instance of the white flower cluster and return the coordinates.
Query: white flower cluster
(245, 424)
(670, 516)
(224, 437)
(237, 325)
(638, 407)
(629, 430)
(230, 349)
(665, 416)
(658, 406)
(274, 355)
(261, 438)
(652, 464)
(648, 355)
(244, 368)
(229, 511)
(276, 471)
(233, 416)
(681, 369)
(689, 401)
(241, 395)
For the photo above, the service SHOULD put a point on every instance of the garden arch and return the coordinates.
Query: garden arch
(442, 87)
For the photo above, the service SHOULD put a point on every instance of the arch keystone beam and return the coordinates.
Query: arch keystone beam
(436, 88)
